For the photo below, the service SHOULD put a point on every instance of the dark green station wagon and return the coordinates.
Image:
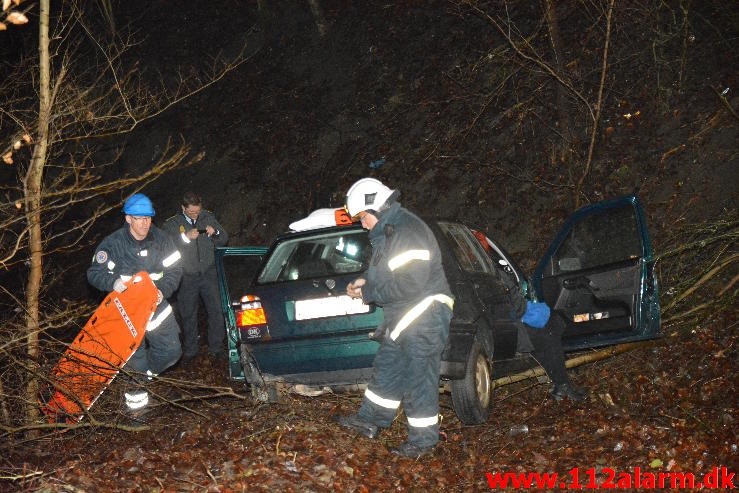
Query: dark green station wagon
(289, 320)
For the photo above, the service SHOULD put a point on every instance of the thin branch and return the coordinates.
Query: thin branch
(536, 61)
(598, 106)
(705, 278)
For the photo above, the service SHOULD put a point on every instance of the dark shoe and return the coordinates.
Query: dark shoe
(412, 451)
(188, 362)
(568, 390)
(136, 418)
(355, 423)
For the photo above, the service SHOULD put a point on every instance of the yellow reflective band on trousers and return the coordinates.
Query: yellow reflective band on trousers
(381, 401)
(423, 422)
(409, 255)
(417, 310)
(156, 322)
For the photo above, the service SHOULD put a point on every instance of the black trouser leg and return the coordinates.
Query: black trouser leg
(188, 298)
(212, 301)
(548, 351)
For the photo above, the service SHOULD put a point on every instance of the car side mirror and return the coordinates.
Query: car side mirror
(569, 264)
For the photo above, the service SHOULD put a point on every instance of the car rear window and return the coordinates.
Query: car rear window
(325, 254)
(466, 248)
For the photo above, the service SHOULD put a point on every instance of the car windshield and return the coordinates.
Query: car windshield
(325, 254)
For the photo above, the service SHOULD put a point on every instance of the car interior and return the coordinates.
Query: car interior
(594, 273)
(315, 257)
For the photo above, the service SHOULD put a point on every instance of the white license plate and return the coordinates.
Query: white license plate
(332, 306)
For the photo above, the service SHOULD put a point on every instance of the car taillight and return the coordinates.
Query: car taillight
(250, 312)
(250, 318)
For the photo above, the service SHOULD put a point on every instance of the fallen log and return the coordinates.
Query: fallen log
(578, 360)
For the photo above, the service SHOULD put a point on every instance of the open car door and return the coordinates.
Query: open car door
(241, 269)
(599, 273)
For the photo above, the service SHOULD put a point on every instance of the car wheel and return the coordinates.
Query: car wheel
(471, 395)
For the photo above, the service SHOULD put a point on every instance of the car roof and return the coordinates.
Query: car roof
(313, 232)
(354, 226)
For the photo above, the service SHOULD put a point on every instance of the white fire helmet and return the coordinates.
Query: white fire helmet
(366, 194)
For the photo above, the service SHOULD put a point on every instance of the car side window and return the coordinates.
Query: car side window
(499, 262)
(466, 248)
(328, 254)
(239, 271)
(599, 239)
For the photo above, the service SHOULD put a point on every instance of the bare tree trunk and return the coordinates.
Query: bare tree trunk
(564, 152)
(598, 107)
(32, 190)
(318, 17)
(267, 17)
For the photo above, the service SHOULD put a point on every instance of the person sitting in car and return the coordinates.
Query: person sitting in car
(541, 335)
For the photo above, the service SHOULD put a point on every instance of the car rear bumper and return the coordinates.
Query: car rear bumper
(356, 376)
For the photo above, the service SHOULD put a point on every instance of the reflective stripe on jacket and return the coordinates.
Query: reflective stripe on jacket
(417, 310)
(197, 255)
(406, 274)
(121, 255)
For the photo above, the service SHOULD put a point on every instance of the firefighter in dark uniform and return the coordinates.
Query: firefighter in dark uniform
(197, 233)
(407, 280)
(141, 246)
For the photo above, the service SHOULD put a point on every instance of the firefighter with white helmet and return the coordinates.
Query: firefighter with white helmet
(367, 194)
(141, 246)
(407, 280)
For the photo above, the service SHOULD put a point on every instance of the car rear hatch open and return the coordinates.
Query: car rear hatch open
(295, 317)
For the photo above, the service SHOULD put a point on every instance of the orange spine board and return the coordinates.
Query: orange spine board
(103, 346)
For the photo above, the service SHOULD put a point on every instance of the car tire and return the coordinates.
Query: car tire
(473, 394)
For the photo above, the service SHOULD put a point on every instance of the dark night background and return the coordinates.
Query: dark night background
(433, 96)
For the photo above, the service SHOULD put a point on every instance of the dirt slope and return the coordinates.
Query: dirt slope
(464, 129)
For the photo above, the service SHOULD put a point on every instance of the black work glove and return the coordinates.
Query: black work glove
(380, 333)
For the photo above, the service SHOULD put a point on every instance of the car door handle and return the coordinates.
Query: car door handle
(570, 283)
(578, 282)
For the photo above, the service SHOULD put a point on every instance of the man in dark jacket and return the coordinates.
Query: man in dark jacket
(141, 246)
(197, 232)
(539, 334)
(407, 279)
